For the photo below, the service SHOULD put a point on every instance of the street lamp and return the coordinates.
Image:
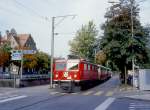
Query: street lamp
(52, 44)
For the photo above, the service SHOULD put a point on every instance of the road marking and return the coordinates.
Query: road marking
(7, 96)
(75, 93)
(12, 98)
(98, 93)
(105, 104)
(140, 106)
(87, 93)
(53, 93)
(63, 93)
(109, 93)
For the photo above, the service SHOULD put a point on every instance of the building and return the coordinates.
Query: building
(18, 41)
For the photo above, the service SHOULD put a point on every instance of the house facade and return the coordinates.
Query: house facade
(17, 42)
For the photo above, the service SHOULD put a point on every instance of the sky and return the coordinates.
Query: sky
(34, 17)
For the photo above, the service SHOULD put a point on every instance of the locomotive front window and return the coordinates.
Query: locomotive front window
(60, 66)
(72, 66)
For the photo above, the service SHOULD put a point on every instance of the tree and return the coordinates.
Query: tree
(83, 43)
(117, 43)
(30, 61)
(43, 62)
(101, 58)
(5, 54)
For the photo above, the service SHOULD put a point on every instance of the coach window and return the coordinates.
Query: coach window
(88, 67)
(93, 68)
(85, 67)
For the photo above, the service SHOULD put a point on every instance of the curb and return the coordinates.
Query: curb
(132, 98)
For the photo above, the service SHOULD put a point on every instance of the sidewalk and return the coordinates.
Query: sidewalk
(134, 93)
(140, 97)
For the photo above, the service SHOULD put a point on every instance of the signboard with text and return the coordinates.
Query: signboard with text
(29, 51)
(16, 56)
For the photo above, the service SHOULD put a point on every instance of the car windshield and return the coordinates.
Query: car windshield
(72, 66)
(60, 66)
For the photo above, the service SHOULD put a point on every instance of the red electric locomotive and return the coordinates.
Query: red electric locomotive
(72, 73)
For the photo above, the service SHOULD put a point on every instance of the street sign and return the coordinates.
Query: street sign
(29, 51)
(16, 56)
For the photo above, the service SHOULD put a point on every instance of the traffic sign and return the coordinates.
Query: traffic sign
(16, 56)
(28, 51)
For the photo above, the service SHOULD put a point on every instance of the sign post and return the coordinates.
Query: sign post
(17, 55)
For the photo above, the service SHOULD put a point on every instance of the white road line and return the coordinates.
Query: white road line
(75, 93)
(105, 104)
(98, 93)
(53, 93)
(7, 96)
(109, 93)
(88, 92)
(12, 98)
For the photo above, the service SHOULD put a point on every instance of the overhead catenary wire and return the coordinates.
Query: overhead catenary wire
(30, 10)
(15, 13)
(8, 10)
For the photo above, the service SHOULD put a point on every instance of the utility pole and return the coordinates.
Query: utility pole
(52, 45)
(21, 68)
(52, 53)
(132, 37)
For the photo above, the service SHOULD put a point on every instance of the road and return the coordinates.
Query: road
(101, 97)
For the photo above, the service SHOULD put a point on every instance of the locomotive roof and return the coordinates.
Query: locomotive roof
(60, 60)
(80, 60)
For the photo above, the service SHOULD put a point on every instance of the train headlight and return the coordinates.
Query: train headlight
(56, 75)
(75, 76)
(65, 74)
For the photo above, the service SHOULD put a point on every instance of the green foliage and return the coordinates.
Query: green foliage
(43, 61)
(117, 43)
(5, 50)
(39, 61)
(82, 45)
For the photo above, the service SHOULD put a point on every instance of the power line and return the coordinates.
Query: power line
(60, 21)
(9, 11)
(19, 14)
(29, 9)
(73, 33)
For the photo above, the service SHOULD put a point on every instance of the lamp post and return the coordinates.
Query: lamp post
(52, 44)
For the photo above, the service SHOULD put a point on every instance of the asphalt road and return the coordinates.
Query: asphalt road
(101, 97)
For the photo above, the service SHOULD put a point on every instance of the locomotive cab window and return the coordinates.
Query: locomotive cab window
(60, 66)
(72, 66)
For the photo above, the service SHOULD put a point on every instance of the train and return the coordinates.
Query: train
(71, 74)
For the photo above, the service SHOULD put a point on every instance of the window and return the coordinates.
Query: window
(85, 67)
(72, 66)
(60, 66)
(93, 68)
(89, 67)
